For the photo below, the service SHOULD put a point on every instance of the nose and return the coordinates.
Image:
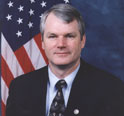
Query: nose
(61, 42)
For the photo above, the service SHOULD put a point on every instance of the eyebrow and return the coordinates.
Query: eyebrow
(72, 33)
(50, 34)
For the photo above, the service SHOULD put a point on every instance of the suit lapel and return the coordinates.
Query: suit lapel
(43, 91)
(75, 98)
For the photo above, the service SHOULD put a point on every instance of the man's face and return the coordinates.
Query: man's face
(62, 42)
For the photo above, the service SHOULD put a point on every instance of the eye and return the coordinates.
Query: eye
(70, 36)
(52, 36)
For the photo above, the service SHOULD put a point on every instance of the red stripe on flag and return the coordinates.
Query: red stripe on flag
(24, 60)
(3, 108)
(6, 72)
(38, 41)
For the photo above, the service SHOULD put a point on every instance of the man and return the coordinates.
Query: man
(68, 86)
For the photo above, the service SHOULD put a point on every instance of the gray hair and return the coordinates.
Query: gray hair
(65, 12)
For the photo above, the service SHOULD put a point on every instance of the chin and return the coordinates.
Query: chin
(61, 62)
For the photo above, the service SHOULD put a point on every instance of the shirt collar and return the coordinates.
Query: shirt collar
(69, 79)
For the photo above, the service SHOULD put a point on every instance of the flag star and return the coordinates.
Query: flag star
(21, 8)
(10, 4)
(43, 4)
(19, 21)
(30, 24)
(41, 15)
(31, 12)
(66, 1)
(9, 17)
(19, 33)
(32, 1)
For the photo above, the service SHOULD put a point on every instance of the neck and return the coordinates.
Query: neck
(61, 71)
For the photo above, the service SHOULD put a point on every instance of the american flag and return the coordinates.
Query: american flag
(21, 49)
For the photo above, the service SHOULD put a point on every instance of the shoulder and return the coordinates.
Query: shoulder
(98, 82)
(31, 77)
(99, 76)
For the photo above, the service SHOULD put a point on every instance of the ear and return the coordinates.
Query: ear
(42, 43)
(83, 41)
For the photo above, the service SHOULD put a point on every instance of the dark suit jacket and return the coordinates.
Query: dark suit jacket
(94, 93)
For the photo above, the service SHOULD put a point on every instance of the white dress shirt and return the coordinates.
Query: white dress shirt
(51, 90)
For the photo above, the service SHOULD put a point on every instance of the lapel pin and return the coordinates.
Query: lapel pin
(76, 111)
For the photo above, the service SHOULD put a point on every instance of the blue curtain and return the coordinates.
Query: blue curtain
(105, 34)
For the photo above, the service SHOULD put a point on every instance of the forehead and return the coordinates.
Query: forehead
(54, 23)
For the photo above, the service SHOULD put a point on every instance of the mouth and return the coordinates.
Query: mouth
(62, 53)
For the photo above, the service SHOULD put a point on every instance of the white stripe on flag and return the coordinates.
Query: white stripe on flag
(34, 54)
(4, 91)
(10, 58)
